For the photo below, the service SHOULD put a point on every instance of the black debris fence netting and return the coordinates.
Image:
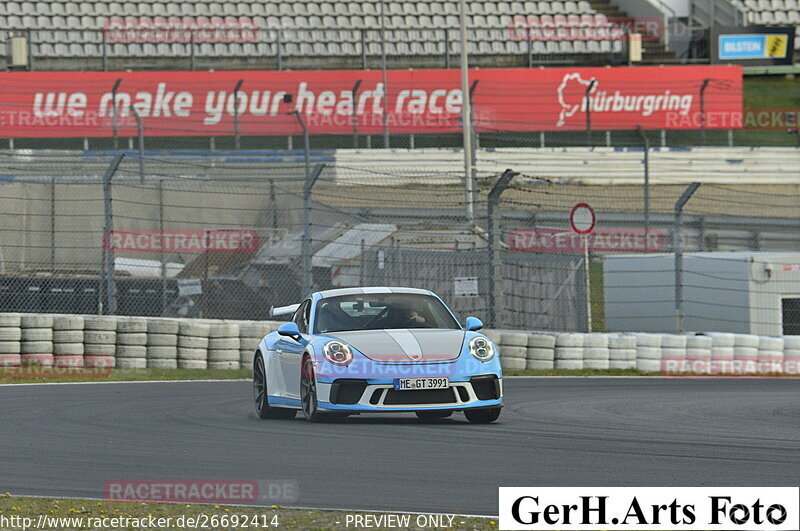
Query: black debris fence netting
(229, 237)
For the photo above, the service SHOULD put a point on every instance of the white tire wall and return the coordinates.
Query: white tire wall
(698, 354)
(770, 355)
(791, 355)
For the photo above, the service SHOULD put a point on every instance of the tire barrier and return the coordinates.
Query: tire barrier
(250, 335)
(541, 352)
(10, 340)
(621, 351)
(193, 345)
(569, 352)
(163, 343)
(596, 351)
(223, 346)
(770, 355)
(36, 340)
(68, 346)
(99, 341)
(513, 350)
(131, 351)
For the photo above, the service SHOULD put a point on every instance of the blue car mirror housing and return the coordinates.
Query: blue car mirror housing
(473, 323)
(290, 330)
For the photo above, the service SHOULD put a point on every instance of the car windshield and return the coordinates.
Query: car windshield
(381, 311)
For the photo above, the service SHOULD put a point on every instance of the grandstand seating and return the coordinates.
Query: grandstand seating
(772, 13)
(257, 28)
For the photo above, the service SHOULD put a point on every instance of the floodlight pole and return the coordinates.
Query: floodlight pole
(466, 113)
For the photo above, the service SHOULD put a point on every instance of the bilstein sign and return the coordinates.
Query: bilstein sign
(602, 240)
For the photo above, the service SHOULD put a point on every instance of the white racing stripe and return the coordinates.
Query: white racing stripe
(407, 342)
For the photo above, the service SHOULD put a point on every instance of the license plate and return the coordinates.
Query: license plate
(415, 384)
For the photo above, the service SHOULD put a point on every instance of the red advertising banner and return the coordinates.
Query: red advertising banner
(189, 241)
(76, 104)
(605, 240)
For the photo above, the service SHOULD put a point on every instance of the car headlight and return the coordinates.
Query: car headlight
(337, 353)
(481, 348)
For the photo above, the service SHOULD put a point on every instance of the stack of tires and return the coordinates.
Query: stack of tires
(162, 343)
(698, 354)
(37, 340)
(621, 351)
(569, 352)
(99, 341)
(10, 336)
(595, 351)
(673, 353)
(68, 341)
(193, 345)
(131, 343)
(541, 353)
(722, 348)
(745, 354)
(648, 352)
(514, 351)
(770, 355)
(250, 335)
(223, 346)
(791, 355)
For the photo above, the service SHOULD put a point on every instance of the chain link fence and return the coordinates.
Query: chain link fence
(225, 237)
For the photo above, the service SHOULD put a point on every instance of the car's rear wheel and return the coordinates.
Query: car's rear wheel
(430, 416)
(482, 416)
(308, 392)
(261, 396)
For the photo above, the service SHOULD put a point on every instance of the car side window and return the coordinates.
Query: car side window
(301, 316)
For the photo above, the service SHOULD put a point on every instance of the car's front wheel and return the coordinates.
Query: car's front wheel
(482, 416)
(261, 396)
(308, 392)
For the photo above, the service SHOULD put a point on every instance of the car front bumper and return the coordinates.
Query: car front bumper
(380, 396)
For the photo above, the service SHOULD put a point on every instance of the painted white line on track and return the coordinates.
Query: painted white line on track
(292, 507)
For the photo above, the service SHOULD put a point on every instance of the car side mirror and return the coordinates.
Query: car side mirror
(290, 330)
(473, 323)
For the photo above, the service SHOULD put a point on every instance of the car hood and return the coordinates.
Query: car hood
(405, 345)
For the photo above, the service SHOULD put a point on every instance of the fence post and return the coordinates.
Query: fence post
(646, 147)
(354, 113)
(236, 89)
(495, 263)
(278, 50)
(446, 48)
(140, 134)
(703, 88)
(588, 96)
(162, 257)
(308, 277)
(108, 304)
(363, 49)
(52, 224)
(192, 63)
(678, 246)
(114, 111)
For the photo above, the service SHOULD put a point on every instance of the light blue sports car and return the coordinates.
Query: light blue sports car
(356, 350)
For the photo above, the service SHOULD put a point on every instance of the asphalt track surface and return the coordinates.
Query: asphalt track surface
(67, 440)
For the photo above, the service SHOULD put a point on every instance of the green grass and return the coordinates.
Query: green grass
(215, 515)
(122, 375)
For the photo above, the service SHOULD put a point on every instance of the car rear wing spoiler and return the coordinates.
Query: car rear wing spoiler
(283, 310)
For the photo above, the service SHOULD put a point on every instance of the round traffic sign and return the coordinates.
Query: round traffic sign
(582, 219)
